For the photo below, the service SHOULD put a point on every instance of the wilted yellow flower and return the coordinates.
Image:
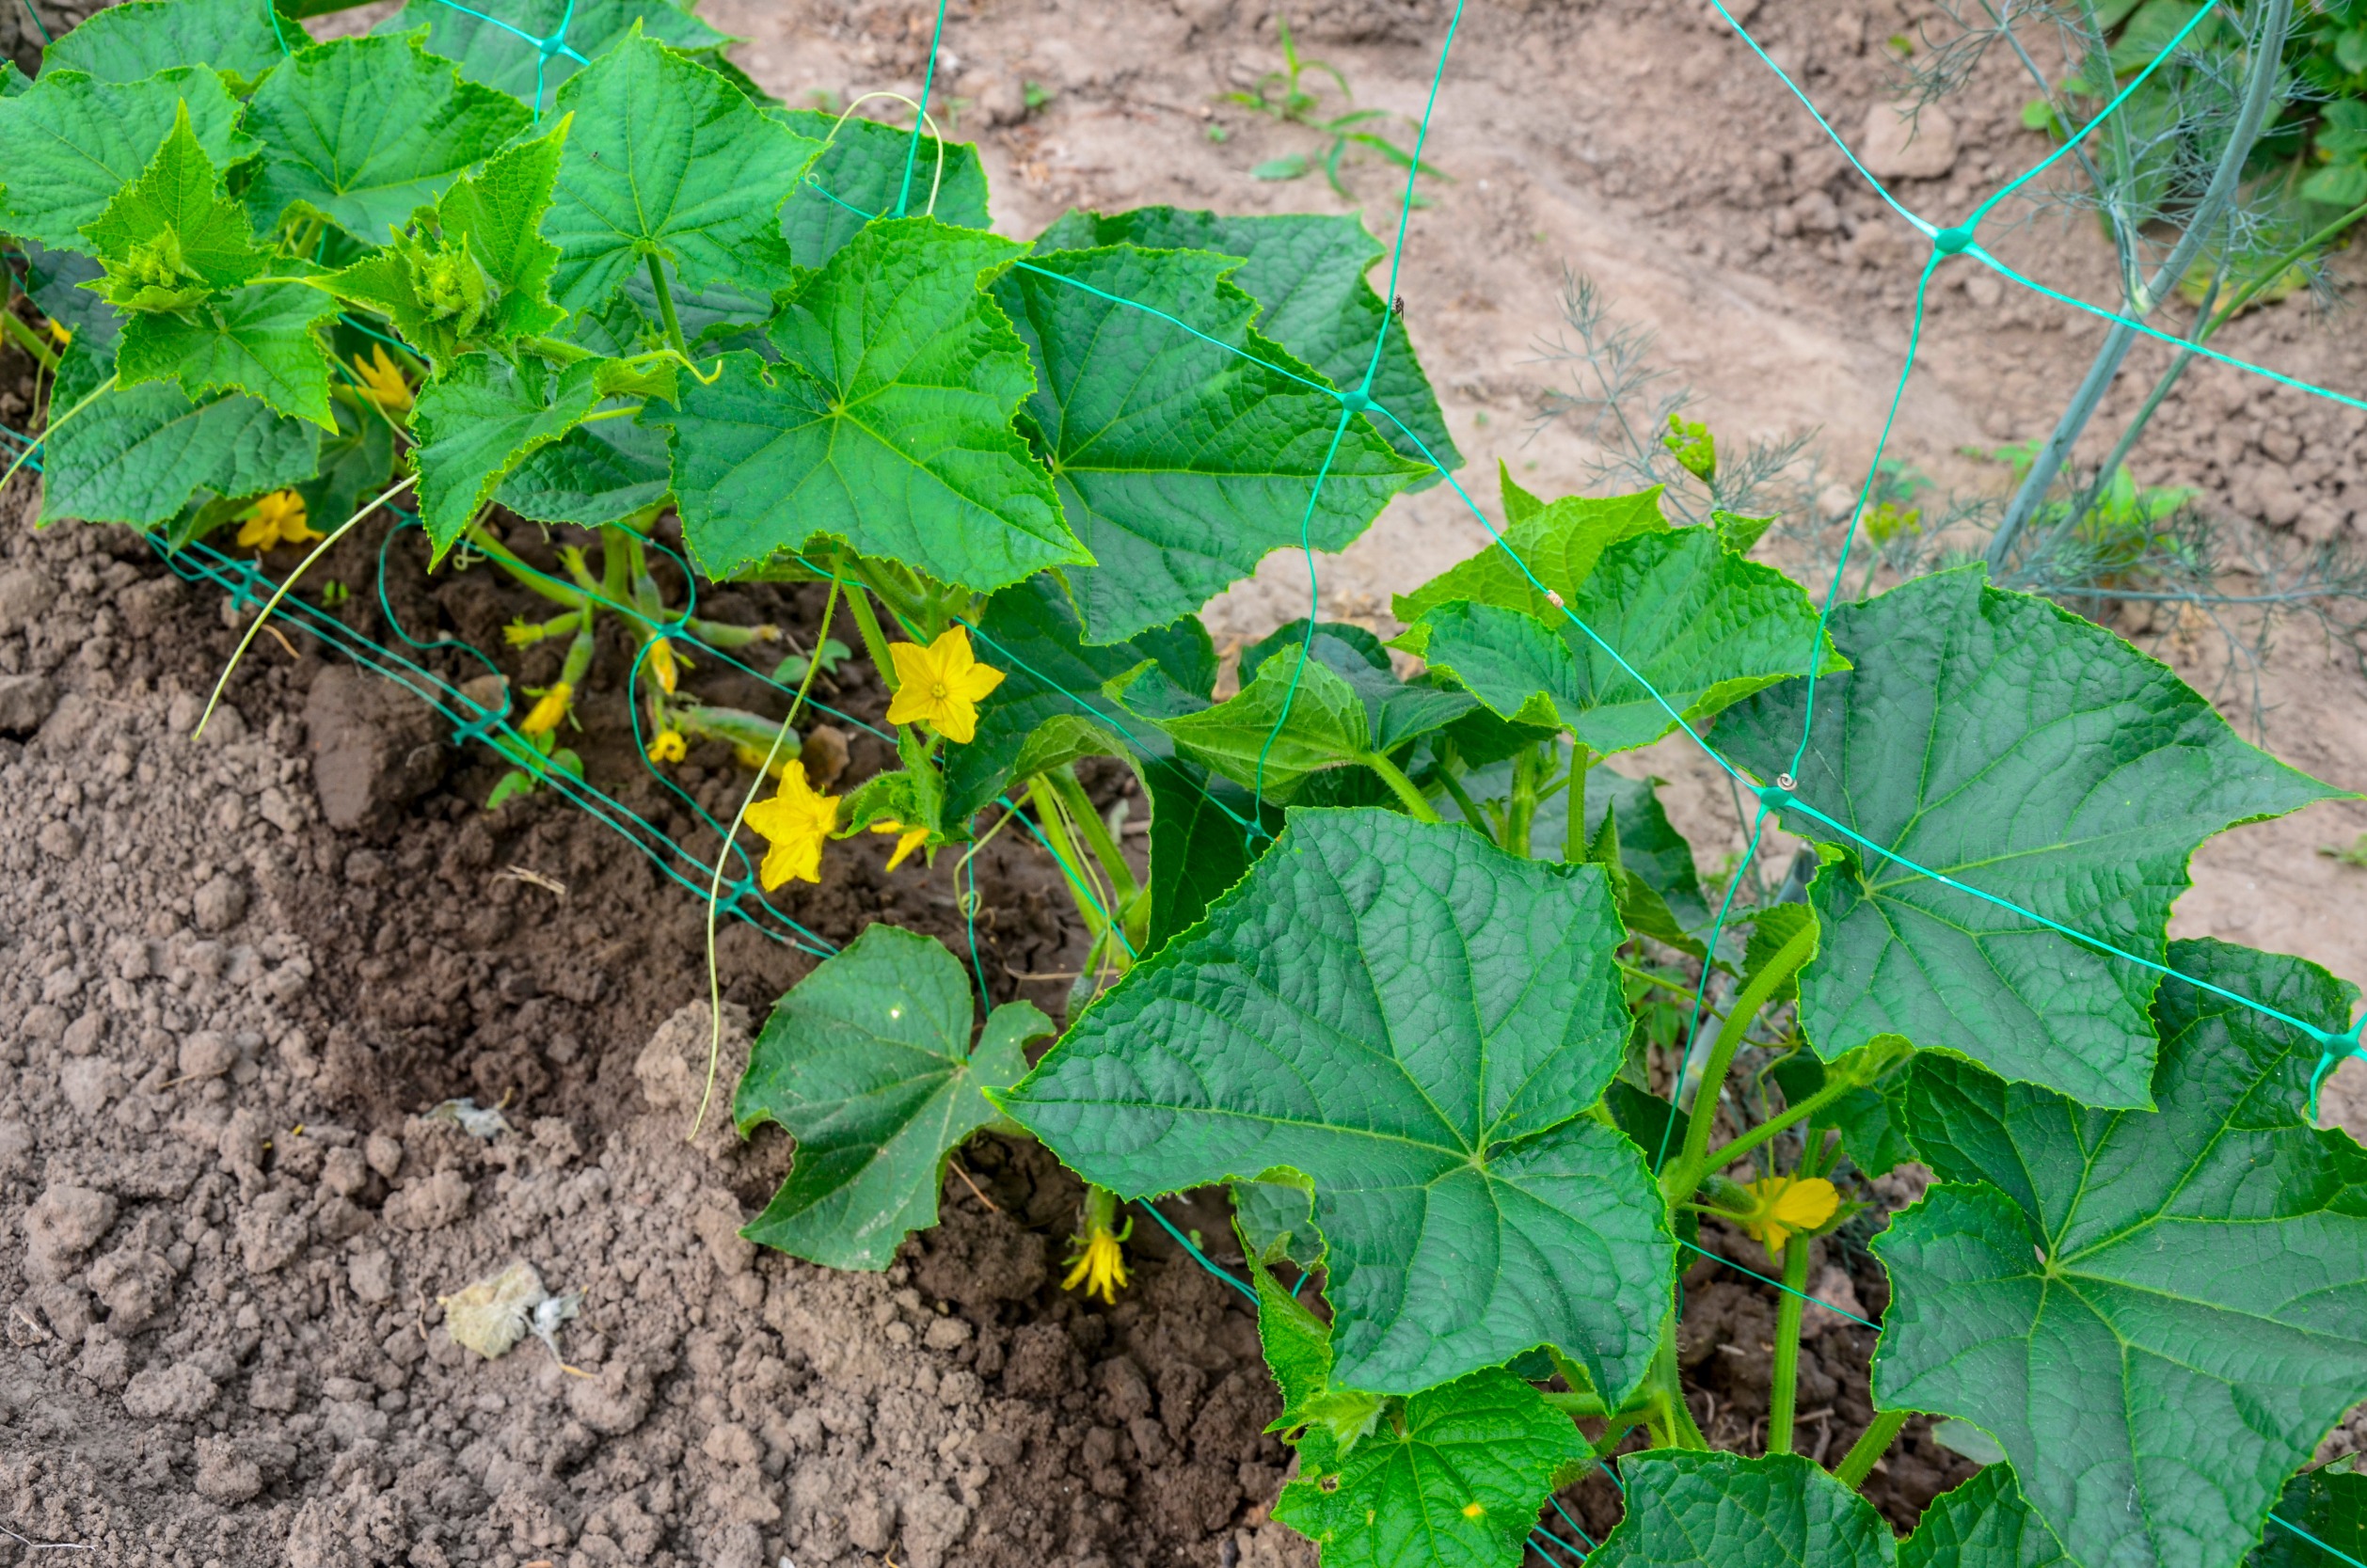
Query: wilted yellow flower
(1785, 1205)
(794, 822)
(1100, 1261)
(381, 380)
(912, 839)
(942, 684)
(62, 332)
(277, 519)
(550, 708)
(668, 746)
(662, 664)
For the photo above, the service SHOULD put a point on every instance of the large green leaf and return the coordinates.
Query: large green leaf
(1453, 1480)
(867, 1062)
(1297, 718)
(1558, 544)
(140, 455)
(260, 340)
(1982, 1523)
(862, 174)
(170, 237)
(483, 274)
(54, 280)
(71, 143)
(128, 42)
(1415, 1021)
(1205, 832)
(594, 474)
(362, 131)
(482, 418)
(1184, 457)
(1050, 707)
(1693, 1509)
(492, 55)
(667, 159)
(2155, 1316)
(1698, 627)
(1999, 739)
(1307, 274)
(889, 425)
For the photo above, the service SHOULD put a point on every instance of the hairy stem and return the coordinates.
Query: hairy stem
(1727, 1154)
(1784, 1389)
(1582, 758)
(1523, 808)
(1096, 834)
(874, 641)
(1871, 1445)
(1694, 1160)
(1464, 803)
(1673, 1422)
(1402, 786)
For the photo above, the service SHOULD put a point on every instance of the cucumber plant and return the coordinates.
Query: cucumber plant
(1398, 965)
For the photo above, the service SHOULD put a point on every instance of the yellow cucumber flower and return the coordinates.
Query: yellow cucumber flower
(662, 664)
(668, 746)
(912, 839)
(942, 684)
(382, 381)
(277, 519)
(795, 823)
(62, 333)
(1783, 1206)
(550, 708)
(1100, 1260)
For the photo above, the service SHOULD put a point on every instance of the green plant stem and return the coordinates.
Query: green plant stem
(1521, 813)
(665, 306)
(1402, 786)
(1871, 1445)
(1727, 1154)
(1046, 796)
(1464, 803)
(875, 643)
(1784, 1389)
(559, 352)
(1096, 835)
(27, 340)
(1686, 1174)
(1581, 758)
(1671, 1418)
(1617, 1430)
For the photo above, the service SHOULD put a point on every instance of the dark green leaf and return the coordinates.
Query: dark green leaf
(479, 420)
(1698, 625)
(54, 278)
(1308, 274)
(863, 172)
(1871, 1120)
(1050, 709)
(2331, 1505)
(140, 455)
(497, 57)
(260, 340)
(1983, 1524)
(362, 131)
(666, 158)
(1416, 1022)
(1291, 635)
(1994, 738)
(71, 143)
(356, 464)
(888, 426)
(1182, 462)
(1692, 1510)
(594, 474)
(867, 1062)
(2155, 1316)
(1200, 843)
(129, 42)
(1558, 544)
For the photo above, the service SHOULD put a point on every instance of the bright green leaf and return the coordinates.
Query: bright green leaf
(667, 159)
(1297, 1347)
(594, 474)
(1182, 462)
(69, 145)
(492, 55)
(862, 172)
(1415, 1021)
(129, 42)
(479, 420)
(170, 237)
(2109, 769)
(889, 425)
(364, 129)
(140, 455)
(867, 1063)
(1560, 544)
(260, 340)
(1307, 274)
(2157, 1316)
(1692, 1510)
(1698, 625)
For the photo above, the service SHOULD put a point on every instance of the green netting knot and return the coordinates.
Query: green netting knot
(1775, 797)
(1951, 242)
(1359, 402)
(2336, 1048)
(552, 47)
(479, 728)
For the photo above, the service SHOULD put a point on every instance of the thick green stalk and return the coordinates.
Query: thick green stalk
(1673, 1422)
(1871, 1445)
(1581, 758)
(665, 306)
(27, 340)
(875, 643)
(1784, 1390)
(1522, 812)
(1693, 1162)
(1046, 797)
(1402, 786)
(1096, 834)
(1727, 1154)
(1464, 803)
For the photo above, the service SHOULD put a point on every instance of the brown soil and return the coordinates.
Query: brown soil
(223, 1341)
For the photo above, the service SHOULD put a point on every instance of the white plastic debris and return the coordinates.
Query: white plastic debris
(464, 1114)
